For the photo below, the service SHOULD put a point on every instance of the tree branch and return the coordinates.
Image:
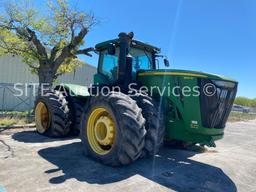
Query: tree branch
(85, 51)
(79, 38)
(40, 48)
(67, 50)
(54, 52)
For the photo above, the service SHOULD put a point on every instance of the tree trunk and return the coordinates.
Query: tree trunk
(46, 78)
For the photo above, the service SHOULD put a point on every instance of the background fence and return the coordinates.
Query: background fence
(9, 101)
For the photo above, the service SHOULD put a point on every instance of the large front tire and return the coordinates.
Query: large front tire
(52, 114)
(112, 129)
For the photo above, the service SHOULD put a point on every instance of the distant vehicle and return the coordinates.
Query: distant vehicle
(240, 108)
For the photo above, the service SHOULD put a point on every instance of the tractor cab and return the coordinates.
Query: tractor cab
(121, 59)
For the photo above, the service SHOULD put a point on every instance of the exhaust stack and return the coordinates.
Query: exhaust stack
(125, 59)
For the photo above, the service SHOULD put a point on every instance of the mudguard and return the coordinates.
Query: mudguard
(74, 90)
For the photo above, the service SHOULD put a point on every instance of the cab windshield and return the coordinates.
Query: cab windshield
(142, 60)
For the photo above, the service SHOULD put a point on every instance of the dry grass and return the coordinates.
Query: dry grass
(10, 118)
(236, 116)
(9, 121)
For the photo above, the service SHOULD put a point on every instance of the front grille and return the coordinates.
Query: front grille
(216, 108)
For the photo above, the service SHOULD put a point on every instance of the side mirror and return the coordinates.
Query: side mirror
(166, 62)
(111, 49)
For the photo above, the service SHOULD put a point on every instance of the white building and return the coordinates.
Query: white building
(13, 70)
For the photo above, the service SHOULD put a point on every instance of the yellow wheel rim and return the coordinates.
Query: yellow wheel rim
(101, 131)
(42, 117)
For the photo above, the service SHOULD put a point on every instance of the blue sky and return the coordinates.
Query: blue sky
(216, 36)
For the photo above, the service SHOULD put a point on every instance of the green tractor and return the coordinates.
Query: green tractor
(133, 106)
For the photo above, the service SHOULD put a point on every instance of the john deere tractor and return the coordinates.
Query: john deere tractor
(133, 106)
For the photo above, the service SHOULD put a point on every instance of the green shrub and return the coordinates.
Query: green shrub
(245, 101)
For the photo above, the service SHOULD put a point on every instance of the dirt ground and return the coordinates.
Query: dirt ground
(30, 162)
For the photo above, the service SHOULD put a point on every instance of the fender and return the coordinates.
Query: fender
(74, 90)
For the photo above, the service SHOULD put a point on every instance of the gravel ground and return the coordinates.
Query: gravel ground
(30, 162)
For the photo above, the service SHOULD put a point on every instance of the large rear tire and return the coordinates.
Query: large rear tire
(76, 106)
(112, 129)
(152, 111)
(52, 114)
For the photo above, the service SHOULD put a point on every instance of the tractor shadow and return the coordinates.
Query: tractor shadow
(172, 168)
(33, 137)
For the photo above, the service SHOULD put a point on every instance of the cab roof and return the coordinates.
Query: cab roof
(135, 43)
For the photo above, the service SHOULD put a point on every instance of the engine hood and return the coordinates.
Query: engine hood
(185, 73)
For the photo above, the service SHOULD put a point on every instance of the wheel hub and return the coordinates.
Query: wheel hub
(101, 131)
(42, 117)
(104, 130)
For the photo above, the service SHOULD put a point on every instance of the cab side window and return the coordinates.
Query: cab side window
(108, 65)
